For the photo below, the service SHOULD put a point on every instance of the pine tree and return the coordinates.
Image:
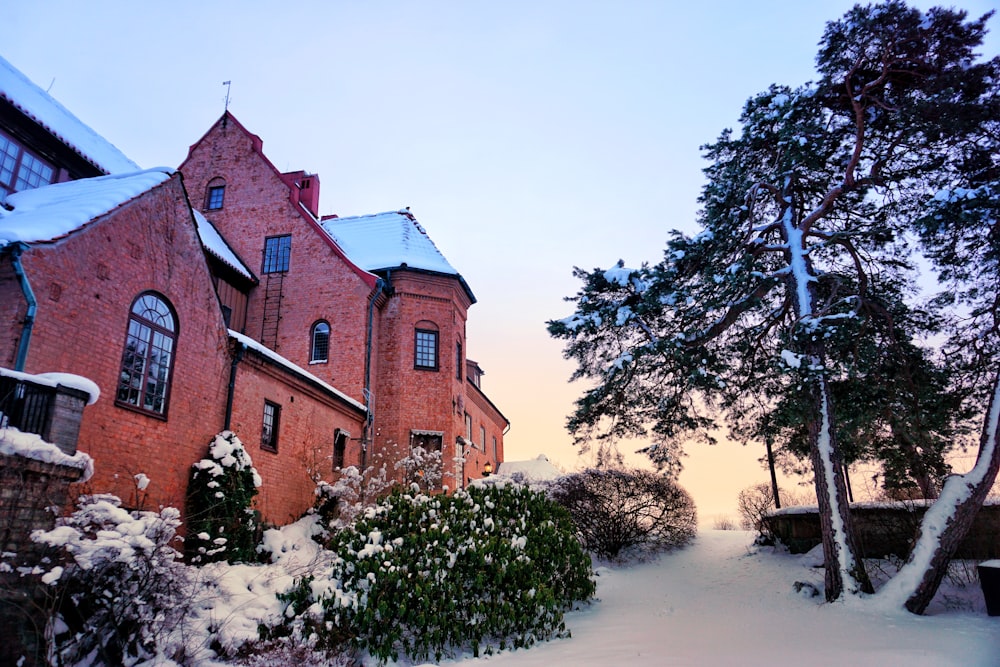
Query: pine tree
(798, 291)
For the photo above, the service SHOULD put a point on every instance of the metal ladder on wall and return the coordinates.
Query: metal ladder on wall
(273, 293)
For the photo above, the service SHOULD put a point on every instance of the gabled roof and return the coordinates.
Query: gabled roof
(390, 240)
(40, 107)
(53, 211)
(213, 242)
(258, 147)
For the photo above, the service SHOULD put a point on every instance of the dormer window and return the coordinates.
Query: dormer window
(216, 194)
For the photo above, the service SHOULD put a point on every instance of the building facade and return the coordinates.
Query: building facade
(215, 297)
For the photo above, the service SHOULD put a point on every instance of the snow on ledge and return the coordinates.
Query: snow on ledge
(54, 380)
(265, 351)
(31, 446)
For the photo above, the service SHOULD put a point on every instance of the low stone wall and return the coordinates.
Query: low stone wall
(31, 492)
(883, 530)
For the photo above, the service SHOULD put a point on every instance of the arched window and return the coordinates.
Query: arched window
(216, 195)
(148, 359)
(320, 349)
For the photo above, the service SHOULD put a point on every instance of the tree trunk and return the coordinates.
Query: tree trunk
(844, 570)
(948, 521)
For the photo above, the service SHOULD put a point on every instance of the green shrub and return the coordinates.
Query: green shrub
(222, 524)
(490, 568)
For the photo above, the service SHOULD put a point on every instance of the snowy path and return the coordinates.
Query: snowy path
(715, 604)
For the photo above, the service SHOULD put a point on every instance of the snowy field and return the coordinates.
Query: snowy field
(721, 601)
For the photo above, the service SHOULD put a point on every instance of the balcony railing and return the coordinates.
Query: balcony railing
(54, 413)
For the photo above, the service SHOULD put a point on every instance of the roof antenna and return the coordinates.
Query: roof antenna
(226, 114)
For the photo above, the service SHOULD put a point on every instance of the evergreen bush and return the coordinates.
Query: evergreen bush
(222, 524)
(421, 576)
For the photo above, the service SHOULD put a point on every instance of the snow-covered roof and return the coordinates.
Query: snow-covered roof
(387, 241)
(52, 211)
(535, 470)
(38, 105)
(213, 242)
(265, 351)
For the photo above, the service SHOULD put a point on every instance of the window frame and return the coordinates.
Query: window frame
(340, 450)
(420, 350)
(269, 432)
(213, 203)
(458, 361)
(276, 263)
(15, 161)
(313, 332)
(166, 327)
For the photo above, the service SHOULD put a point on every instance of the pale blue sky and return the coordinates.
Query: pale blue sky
(527, 136)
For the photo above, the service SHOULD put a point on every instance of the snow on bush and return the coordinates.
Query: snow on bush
(626, 514)
(222, 524)
(420, 576)
(119, 588)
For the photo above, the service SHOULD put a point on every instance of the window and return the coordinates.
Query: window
(20, 169)
(429, 440)
(458, 361)
(276, 252)
(320, 349)
(216, 195)
(482, 436)
(339, 448)
(147, 361)
(494, 448)
(269, 430)
(426, 349)
(468, 429)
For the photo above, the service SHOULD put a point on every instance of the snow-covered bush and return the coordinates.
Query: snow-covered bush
(422, 576)
(118, 587)
(222, 524)
(338, 503)
(626, 514)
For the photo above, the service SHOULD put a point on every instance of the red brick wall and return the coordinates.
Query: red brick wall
(306, 428)
(85, 285)
(318, 286)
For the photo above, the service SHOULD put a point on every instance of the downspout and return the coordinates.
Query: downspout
(241, 348)
(29, 318)
(366, 436)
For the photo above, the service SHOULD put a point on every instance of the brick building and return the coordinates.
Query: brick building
(215, 297)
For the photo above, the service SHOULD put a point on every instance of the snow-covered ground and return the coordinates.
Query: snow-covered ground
(721, 601)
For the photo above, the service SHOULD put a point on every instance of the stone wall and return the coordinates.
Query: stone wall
(885, 530)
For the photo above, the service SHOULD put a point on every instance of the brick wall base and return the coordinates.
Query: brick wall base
(29, 490)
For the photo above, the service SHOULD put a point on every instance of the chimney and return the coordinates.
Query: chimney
(305, 189)
(309, 193)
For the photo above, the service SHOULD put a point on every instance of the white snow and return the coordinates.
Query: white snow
(387, 241)
(50, 212)
(50, 114)
(31, 446)
(990, 563)
(722, 601)
(791, 359)
(212, 240)
(535, 470)
(55, 379)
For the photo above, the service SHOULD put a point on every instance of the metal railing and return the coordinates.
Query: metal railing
(24, 405)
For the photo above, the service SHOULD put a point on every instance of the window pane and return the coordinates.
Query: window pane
(276, 253)
(148, 355)
(216, 195)
(426, 349)
(320, 342)
(33, 173)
